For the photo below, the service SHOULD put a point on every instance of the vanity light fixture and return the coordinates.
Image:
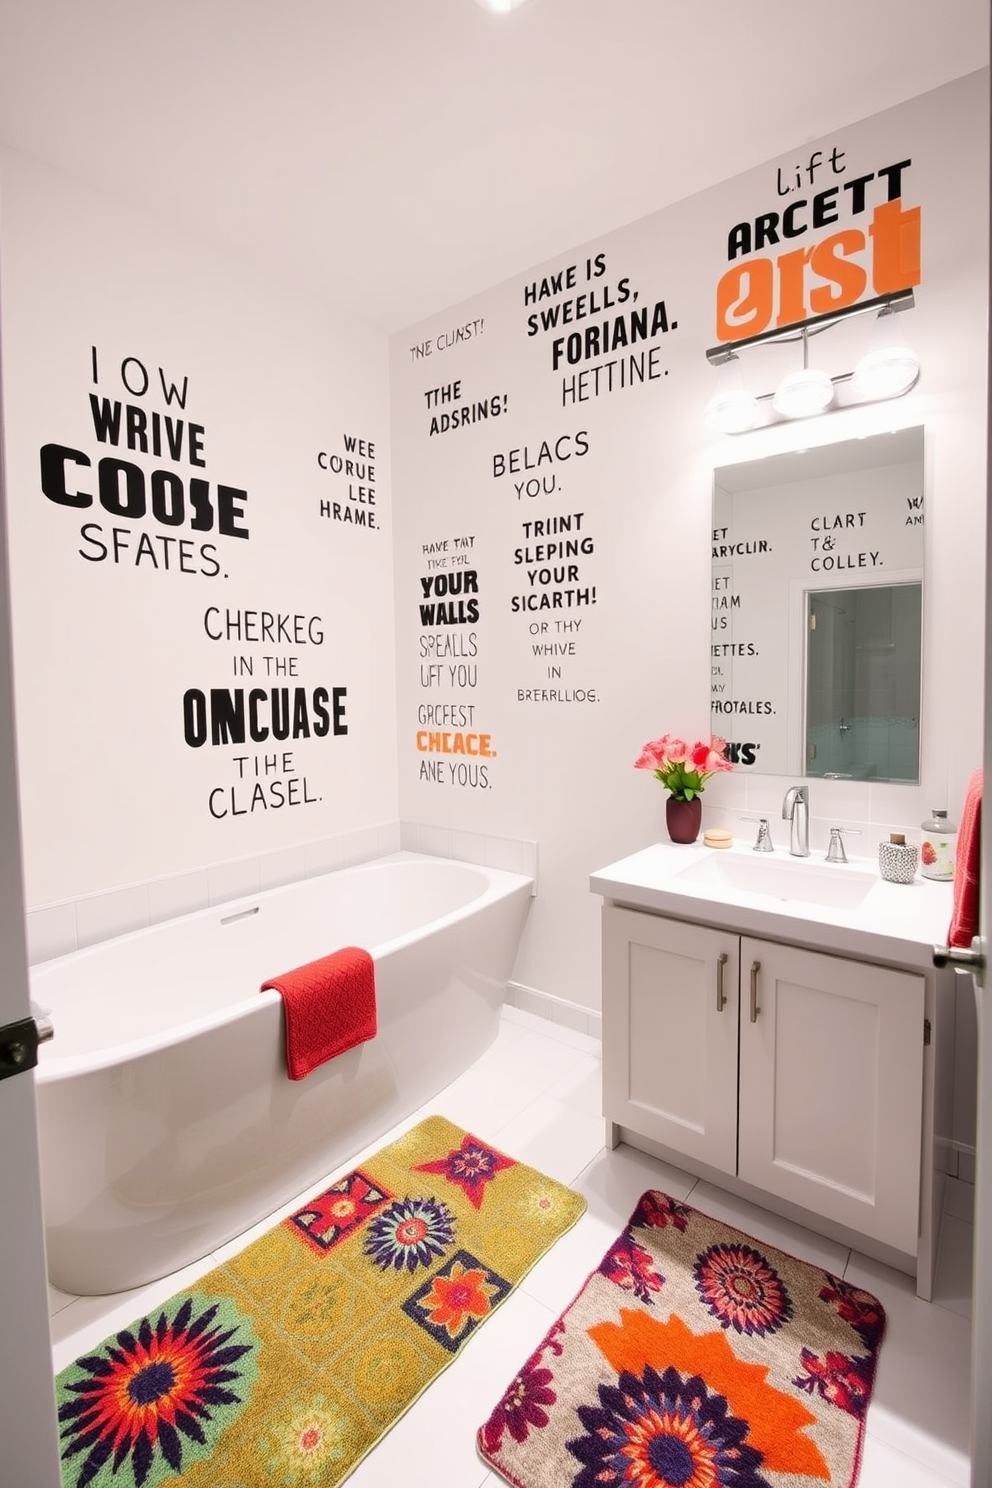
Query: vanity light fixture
(887, 370)
(889, 367)
(806, 392)
(732, 409)
(499, 7)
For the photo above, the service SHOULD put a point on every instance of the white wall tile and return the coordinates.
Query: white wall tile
(232, 880)
(907, 805)
(102, 916)
(728, 791)
(360, 847)
(507, 853)
(278, 868)
(569, 1015)
(555, 1010)
(410, 836)
(434, 840)
(467, 847)
(51, 932)
(389, 838)
(180, 894)
(529, 1001)
(323, 857)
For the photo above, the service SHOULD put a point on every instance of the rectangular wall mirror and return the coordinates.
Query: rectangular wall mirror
(816, 642)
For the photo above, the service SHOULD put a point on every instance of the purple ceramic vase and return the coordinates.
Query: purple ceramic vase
(684, 818)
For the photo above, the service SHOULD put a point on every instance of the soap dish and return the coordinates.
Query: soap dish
(717, 837)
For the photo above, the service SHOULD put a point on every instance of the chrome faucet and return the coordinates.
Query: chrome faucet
(763, 842)
(795, 810)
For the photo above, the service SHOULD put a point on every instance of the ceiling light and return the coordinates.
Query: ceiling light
(500, 7)
(732, 409)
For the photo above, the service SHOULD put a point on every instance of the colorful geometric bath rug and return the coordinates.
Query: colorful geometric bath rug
(693, 1357)
(287, 1364)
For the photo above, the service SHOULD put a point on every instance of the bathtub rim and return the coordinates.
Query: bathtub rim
(500, 884)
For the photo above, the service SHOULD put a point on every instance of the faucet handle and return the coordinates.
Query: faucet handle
(763, 842)
(835, 850)
(793, 796)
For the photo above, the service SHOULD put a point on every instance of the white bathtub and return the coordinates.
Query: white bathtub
(167, 1122)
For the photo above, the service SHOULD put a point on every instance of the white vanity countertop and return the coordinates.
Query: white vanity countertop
(848, 909)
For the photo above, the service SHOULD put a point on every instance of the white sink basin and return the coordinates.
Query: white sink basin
(835, 884)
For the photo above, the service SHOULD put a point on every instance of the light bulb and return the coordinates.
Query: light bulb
(886, 372)
(804, 393)
(888, 368)
(732, 409)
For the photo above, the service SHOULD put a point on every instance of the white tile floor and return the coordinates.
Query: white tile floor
(536, 1095)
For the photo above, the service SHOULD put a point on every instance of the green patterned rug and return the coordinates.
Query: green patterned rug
(288, 1363)
(694, 1357)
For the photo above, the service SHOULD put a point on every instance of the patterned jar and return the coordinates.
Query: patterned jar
(897, 859)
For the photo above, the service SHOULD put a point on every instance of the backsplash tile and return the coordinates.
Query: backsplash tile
(507, 853)
(58, 929)
(278, 868)
(179, 894)
(389, 838)
(233, 880)
(51, 932)
(359, 847)
(467, 847)
(410, 836)
(434, 840)
(325, 856)
(102, 916)
(555, 1009)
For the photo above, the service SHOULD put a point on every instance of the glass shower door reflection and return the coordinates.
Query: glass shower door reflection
(863, 675)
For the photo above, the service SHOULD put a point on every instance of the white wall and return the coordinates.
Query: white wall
(116, 802)
(636, 463)
(121, 616)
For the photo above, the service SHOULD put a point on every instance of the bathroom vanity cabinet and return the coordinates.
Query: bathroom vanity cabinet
(779, 1050)
(798, 1072)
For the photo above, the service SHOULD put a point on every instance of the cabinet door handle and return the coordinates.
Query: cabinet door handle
(721, 1001)
(755, 1010)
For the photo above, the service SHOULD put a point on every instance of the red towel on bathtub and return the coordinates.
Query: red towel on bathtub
(964, 916)
(329, 1007)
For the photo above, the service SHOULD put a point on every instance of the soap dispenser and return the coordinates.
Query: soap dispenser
(938, 846)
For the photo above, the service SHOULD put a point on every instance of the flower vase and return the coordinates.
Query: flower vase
(683, 818)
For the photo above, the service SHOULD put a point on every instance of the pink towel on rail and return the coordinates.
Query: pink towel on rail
(964, 916)
(329, 1007)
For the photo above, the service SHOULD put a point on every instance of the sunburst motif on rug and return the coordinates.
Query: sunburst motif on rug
(156, 1398)
(286, 1364)
(693, 1357)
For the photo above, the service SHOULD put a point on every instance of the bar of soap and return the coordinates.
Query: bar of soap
(717, 837)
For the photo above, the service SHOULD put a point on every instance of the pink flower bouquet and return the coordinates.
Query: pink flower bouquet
(684, 768)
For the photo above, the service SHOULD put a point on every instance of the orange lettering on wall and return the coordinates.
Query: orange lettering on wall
(749, 294)
(792, 286)
(431, 741)
(832, 261)
(751, 306)
(896, 236)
